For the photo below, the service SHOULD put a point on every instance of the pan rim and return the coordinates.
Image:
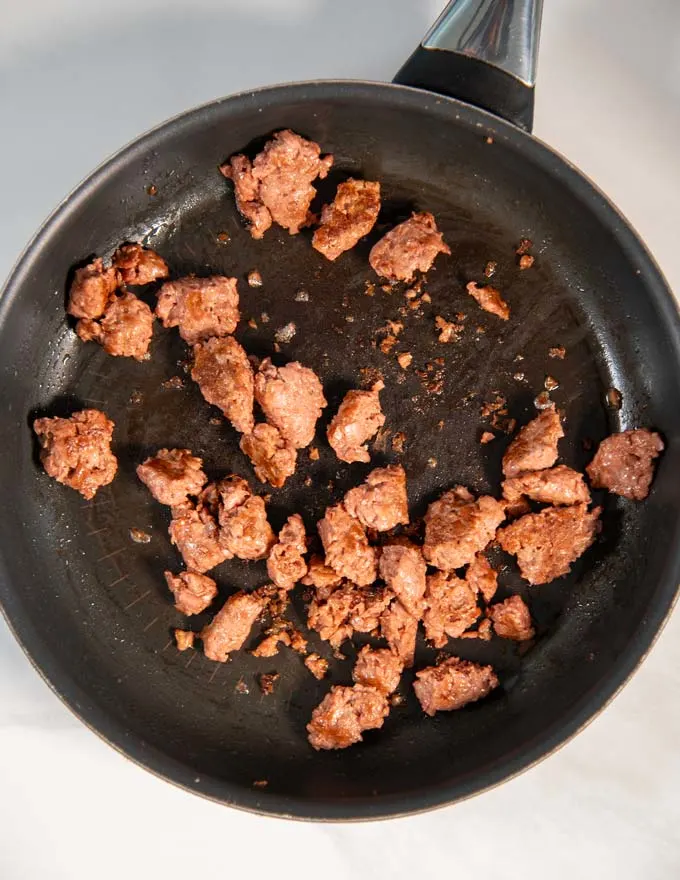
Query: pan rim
(591, 704)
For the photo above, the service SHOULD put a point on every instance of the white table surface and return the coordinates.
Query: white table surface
(77, 80)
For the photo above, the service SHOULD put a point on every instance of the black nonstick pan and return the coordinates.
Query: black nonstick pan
(90, 607)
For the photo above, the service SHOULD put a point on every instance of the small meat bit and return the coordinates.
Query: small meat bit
(200, 307)
(453, 684)
(321, 577)
(557, 485)
(380, 502)
(490, 269)
(405, 359)
(378, 668)
(486, 437)
(547, 543)
(344, 714)
(411, 246)
(77, 451)
(398, 442)
(124, 330)
(139, 536)
(269, 646)
(291, 398)
(193, 592)
(276, 186)
(489, 299)
(244, 529)
(526, 261)
(91, 289)
(224, 374)
(317, 665)
(399, 629)
(350, 216)
(448, 331)
(624, 463)
(254, 278)
(171, 475)
(558, 352)
(358, 418)
(286, 565)
(403, 569)
(482, 632)
(512, 620)
(184, 639)
(346, 609)
(524, 246)
(196, 538)
(450, 608)
(457, 527)
(273, 457)
(137, 265)
(231, 626)
(267, 680)
(482, 578)
(346, 546)
(535, 446)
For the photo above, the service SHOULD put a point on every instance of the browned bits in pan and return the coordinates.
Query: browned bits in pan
(550, 383)
(526, 261)
(489, 299)
(398, 442)
(404, 359)
(184, 639)
(614, 398)
(223, 237)
(486, 437)
(490, 269)
(558, 352)
(139, 536)
(524, 246)
(254, 278)
(267, 681)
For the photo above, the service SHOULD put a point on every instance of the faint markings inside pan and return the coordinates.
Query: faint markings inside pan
(135, 601)
(190, 660)
(112, 553)
(214, 673)
(165, 648)
(118, 580)
(99, 503)
(149, 625)
(96, 531)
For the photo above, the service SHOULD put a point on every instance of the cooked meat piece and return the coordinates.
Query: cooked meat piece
(124, 330)
(172, 474)
(512, 620)
(317, 665)
(482, 632)
(320, 576)
(457, 527)
(453, 684)
(358, 418)
(403, 569)
(267, 681)
(346, 609)
(225, 377)
(482, 578)
(450, 607)
(273, 457)
(344, 714)
(535, 446)
(231, 626)
(623, 463)
(138, 265)
(200, 307)
(193, 592)
(77, 451)
(400, 628)
(346, 546)
(269, 646)
(184, 639)
(196, 539)
(291, 398)
(489, 298)
(244, 529)
(286, 565)
(547, 543)
(380, 502)
(90, 290)
(277, 185)
(411, 246)
(378, 668)
(351, 215)
(557, 485)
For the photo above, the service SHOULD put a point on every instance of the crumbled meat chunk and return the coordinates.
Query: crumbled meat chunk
(405, 359)
(486, 437)
(291, 398)
(482, 632)
(351, 215)
(124, 330)
(171, 475)
(346, 546)
(489, 298)
(138, 265)
(139, 536)
(231, 626)
(344, 714)
(196, 539)
(380, 502)
(193, 592)
(557, 485)
(267, 681)
(277, 186)
(322, 577)
(244, 529)
(77, 451)
(535, 446)
(411, 246)
(450, 608)
(273, 457)
(184, 639)
(482, 578)
(557, 351)
(403, 569)
(526, 261)
(400, 628)
(457, 527)
(269, 646)
(358, 419)
(224, 375)
(200, 307)
(453, 684)
(512, 620)
(524, 246)
(91, 289)
(624, 463)
(547, 543)
(448, 331)
(286, 565)
(346, 609)
(378, 668)
(317, 665)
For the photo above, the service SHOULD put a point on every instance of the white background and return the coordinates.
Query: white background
(77, 80)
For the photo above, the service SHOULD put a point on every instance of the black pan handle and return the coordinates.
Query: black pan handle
(482, 52)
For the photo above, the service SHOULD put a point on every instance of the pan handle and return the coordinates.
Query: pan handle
(482, 52)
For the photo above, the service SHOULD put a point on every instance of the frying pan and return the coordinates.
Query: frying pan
(90, 607)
